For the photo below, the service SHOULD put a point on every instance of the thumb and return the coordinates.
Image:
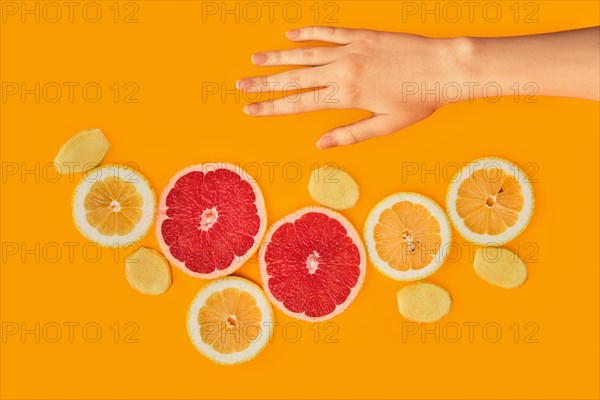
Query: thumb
(376, 125)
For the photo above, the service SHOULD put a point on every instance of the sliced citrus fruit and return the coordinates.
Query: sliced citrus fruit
(407, 236)
(500, 267)
(148, 271)
(333, 187)
(490, 201)
(82, 152)
(113, 206)
(230, 320)
(211, 219)
(424, 302)
(312, 264)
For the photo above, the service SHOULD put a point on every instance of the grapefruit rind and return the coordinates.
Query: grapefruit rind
(524, 215)
(267, 322)
(351, 232)
(260, 207)
(129, 175)
(424, 302)
(505, 270)
(439, 257)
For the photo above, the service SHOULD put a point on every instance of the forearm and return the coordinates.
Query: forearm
(563, 64)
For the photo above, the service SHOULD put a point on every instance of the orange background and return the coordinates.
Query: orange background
(168, 54)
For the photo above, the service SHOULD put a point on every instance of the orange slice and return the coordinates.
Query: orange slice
(407, 236)
(113, 206)
(490, 201)
(230, 321)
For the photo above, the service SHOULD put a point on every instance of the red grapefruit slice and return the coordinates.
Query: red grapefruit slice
(312, 264)
(211, 218)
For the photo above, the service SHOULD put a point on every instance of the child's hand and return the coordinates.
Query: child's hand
(401, 78)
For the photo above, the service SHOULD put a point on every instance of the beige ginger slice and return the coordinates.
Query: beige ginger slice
(500, 267)
(148, 271)
(333, 187)
(82, 152)
(424, 302)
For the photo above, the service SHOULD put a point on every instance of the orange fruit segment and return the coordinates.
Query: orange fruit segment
(407, 236)
(490, 201)
(230, 320)
(234, 318)
(114, 206)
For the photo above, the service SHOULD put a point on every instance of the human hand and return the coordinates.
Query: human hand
(378, 72)
(368, 71)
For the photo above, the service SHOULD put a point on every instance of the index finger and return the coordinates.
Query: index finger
(330, 34)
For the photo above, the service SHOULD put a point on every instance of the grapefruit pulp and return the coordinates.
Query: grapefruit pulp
(211, 218)
(312, 264)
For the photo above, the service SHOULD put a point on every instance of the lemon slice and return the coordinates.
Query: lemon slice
(333, 188)
(500, 267)
(490, 201)
(82, 152)
(148, 271)
(230, 320)
(424, 302)
(407, 236)
(113, 206)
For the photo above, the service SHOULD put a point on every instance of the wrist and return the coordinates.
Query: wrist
(462, 69)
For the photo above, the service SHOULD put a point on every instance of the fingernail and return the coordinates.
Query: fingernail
(294, 33)
(326, 142)
(237, 84)
(252, 109)
(259, 58)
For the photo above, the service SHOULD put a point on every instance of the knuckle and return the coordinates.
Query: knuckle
(368, 34)
(269, 108)
(346, 136)
(353, 93)
(295, 77)
(298, 104)
(308, 53)
(274, 56)
(355, 65)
